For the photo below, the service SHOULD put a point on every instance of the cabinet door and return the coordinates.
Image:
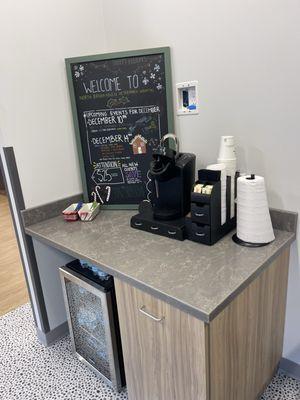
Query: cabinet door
(163, 347)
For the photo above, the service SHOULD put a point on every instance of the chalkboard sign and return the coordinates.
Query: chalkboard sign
(122, 106)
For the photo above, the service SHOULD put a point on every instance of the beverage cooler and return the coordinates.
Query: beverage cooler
(93, 320)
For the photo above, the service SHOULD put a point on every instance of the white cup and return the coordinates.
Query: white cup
(229, 163)
(227, 149)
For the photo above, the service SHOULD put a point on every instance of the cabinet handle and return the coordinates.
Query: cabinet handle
(172, 232)
(154, 228)
(200, 234)
(143, 311)
(199, 215)
(138, 223)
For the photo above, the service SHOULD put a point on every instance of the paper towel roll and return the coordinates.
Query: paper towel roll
(222, 168)
(253, 217)
(227, 156)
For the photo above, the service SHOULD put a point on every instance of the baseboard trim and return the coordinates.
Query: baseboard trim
(290, 368)
(52, 336)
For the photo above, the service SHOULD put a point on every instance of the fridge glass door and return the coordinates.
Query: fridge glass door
(88, 321)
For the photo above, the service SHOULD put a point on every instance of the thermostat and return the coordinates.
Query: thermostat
(187, 98)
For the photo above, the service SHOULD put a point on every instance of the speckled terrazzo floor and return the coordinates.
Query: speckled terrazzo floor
(29, 371)
(282, 387)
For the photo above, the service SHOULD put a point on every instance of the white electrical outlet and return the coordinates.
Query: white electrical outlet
(187, 98)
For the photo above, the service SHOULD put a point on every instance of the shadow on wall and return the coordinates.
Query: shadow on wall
(246, 162)
(241, 159)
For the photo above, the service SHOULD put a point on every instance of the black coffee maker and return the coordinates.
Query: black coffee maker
(171, 178)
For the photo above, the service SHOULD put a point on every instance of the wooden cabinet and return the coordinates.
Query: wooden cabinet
(246, 338)
(170, 355)
(164, 359)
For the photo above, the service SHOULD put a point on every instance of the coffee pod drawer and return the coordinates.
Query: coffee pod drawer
(198, 233)
(159, 228)
(200, 213)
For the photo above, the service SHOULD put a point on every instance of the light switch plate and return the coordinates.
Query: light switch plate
(187, 98)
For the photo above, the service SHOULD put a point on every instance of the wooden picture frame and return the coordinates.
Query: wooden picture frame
(70, 62)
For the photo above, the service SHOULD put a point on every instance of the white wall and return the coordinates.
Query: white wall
(35, 38)
(246, 57)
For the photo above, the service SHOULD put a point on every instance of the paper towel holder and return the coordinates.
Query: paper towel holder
(241, 242)
(247, 244)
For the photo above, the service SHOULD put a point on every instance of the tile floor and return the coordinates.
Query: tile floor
(29, 371)
(282, 387)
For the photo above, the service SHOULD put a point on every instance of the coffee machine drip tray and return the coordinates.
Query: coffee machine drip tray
(145, 221)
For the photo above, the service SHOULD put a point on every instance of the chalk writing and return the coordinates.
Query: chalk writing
(122, 114)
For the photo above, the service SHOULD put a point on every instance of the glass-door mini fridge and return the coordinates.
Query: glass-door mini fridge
(93, 321)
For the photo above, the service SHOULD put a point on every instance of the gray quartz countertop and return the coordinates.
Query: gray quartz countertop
(196, 278)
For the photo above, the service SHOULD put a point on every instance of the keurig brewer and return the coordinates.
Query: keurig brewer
(171, 178)
(172, 175)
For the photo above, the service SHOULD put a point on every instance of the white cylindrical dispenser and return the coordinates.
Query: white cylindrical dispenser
(227, 156)
(222, 168)
(254, 226)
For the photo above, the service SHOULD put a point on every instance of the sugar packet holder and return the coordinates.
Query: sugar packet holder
(89, 211)
(71, 212)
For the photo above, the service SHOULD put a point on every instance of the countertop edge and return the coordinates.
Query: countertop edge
(205, 317)
(250, 279)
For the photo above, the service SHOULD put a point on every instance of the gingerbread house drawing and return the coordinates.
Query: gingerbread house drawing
(138, 144)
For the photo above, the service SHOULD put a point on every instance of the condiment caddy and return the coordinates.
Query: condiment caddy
(89, 211)
(71, 213)
(203, 223)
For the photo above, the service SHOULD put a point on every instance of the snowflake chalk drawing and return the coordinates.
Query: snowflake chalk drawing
(78, 71)
(156, 67)
(145, 81)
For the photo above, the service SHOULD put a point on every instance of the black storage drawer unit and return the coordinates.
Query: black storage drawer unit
(203, 224)
(176, 230)
(200, 213)
(198, 232)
